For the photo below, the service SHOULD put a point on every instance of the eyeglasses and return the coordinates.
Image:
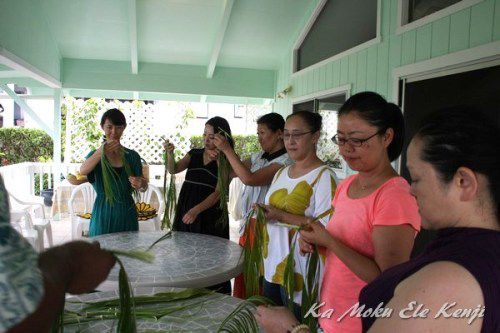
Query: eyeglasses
(294, 136)
(354, 142)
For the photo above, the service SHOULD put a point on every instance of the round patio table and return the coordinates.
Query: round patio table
(183, 260)
(204, 315)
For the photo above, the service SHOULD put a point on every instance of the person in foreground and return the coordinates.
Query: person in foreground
(455, 170)
(454, 165)
(33, 286)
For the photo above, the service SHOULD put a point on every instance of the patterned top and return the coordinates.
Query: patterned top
(309, 195)
(21, 282)
(257, 194)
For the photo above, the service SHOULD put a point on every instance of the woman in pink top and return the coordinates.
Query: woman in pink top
(375, 217)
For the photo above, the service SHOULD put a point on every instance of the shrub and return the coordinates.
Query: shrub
(24, 145)
(244, 145)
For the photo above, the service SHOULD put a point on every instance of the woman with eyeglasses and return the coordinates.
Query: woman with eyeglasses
(256, 173)
(121, 214)
(299, 192)
(375, 217)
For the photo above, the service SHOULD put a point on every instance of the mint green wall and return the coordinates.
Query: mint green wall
(25, 33)
(371, 68)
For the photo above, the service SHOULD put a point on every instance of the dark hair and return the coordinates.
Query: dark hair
(312, 119)
(115, 116)
(274, 121)
(374, 109)
(462, 137)
(219, 123)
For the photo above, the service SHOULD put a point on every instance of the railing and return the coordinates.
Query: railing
(29, 178)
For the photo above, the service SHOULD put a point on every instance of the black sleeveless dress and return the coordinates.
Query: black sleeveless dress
(475, 249)
(200, 182)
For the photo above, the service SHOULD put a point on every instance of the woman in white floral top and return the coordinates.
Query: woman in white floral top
(299, 192)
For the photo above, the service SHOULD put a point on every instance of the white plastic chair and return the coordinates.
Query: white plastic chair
(37, 216)
(154, 223)
(26, 229)
(79, 224)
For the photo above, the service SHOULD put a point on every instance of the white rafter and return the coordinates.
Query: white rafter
(23, 105)
(11, 60)
(132, 17)
(9, 74)
(228, 5)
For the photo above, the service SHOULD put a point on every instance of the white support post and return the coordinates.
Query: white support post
(8, 112)
(56, 138)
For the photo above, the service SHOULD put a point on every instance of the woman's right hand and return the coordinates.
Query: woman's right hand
(112, 147)
(168, 146)
(305, 247)
(221, 142)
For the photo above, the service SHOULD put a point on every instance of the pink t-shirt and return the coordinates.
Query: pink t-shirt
(352, 223)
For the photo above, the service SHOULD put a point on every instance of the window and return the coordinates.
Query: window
(421, 8)
(340, 26)
(200, 110)
(328, 108)
(240, 110)
(416, 13)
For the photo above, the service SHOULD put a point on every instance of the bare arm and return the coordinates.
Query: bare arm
(90, 163)
(392, 245)
(276, 214)
(435, 286)
(66, 269)
(181, 165)
(260, 177)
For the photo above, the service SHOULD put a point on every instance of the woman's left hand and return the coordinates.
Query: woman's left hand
(190, 216)
(316, 234)
(137, 182)
(221, 142)
(273, 213)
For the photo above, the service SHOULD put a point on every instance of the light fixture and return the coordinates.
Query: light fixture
(282, 94)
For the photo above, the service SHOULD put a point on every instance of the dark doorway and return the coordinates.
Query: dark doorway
(479, 89)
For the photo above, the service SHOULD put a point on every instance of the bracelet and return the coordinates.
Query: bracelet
(300, 327)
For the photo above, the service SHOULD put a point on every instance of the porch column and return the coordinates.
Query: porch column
(56, 137)
(8, 112)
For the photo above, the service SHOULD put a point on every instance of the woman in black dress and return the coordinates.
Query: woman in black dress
(198, 205)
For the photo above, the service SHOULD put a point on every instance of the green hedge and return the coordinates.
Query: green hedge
(244, 145)
(24, 145)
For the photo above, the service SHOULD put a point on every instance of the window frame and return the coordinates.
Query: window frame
(312, 19)
(403, 25)
(343, 172)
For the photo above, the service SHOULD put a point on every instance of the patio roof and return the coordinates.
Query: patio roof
(210, 50)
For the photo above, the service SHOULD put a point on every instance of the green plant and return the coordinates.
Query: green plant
(24, 145)
(244, 145)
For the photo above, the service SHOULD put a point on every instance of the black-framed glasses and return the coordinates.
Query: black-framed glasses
(294, 136)
(354, 142)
